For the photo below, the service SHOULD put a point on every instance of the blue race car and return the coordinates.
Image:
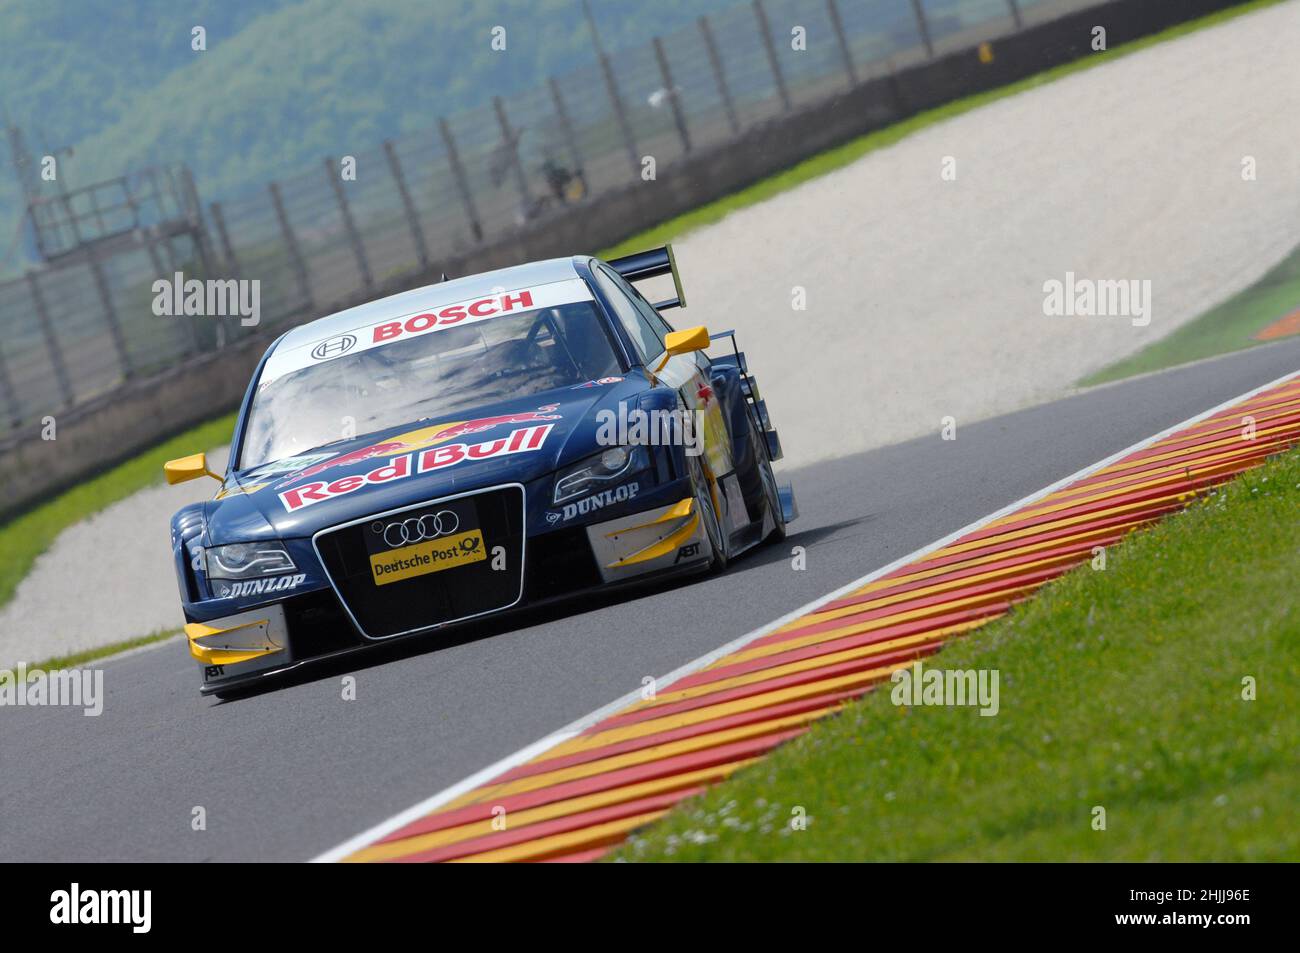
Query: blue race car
(467, 448)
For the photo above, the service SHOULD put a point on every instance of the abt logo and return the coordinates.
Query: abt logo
(77, 906)
(689, 551)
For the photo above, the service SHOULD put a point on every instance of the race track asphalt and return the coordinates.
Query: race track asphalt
(289, 772)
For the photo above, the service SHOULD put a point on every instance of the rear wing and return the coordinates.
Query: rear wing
(652, 264)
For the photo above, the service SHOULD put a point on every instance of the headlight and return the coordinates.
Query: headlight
(599, 470)
(247, 561)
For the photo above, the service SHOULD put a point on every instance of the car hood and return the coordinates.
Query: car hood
(512, 441)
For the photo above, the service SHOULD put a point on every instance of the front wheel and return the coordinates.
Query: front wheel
(708, 515)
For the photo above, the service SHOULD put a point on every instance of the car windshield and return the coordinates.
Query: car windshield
(432, 375)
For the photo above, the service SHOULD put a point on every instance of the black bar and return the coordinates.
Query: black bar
(291, 242)
(766, 30)
(629, 140)
(678, 118)
(510, 142)
(1015, 13)
(833, 10)
(110, 312)
(399, 178)
(51, 342)
(570, 138)
(462, 185)
(10, 395)
(190, 333)
(719, 75)
(336, 183)
(227, 250)
(923, 27)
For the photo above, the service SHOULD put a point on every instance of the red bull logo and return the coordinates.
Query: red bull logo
(425, 437)
(417, 461)
(451, 431)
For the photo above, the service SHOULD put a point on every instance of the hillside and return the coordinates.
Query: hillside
(283, 82)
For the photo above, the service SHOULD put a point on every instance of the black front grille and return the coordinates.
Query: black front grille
(560, 563)
(436, 597)
(318, 626)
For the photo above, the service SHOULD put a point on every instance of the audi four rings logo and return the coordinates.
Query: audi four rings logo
(417, 530)
(334, 347)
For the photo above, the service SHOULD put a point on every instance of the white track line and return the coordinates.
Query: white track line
(531, 751)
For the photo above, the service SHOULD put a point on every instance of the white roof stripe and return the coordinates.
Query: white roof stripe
(433, 296)
(377, 327)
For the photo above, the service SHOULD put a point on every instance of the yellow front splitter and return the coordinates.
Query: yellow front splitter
(683, 511)
(222, 643)
(644, 543)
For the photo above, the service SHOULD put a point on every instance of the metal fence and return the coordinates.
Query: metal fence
(75, 331)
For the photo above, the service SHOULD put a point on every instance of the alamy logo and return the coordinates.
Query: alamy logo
(653, 428)
(1089, 297)
(917, 686)
(214, 298)
(73, 906)
(58, 688)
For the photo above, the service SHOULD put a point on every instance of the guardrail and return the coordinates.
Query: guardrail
(555, 170)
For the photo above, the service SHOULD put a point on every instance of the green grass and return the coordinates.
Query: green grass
(829, 161)
(78, 659)
(1229, 326)
(1120, 688)
(30, 534)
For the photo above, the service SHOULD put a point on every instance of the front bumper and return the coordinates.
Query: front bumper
(663, 540)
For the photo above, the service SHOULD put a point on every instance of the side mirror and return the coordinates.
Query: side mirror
(684, 342)
(188, 468)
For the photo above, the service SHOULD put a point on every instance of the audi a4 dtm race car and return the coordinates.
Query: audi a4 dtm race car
(468, 448)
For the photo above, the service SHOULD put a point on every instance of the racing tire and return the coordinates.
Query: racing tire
(709, 516)
(773, 497)
(771, 494)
